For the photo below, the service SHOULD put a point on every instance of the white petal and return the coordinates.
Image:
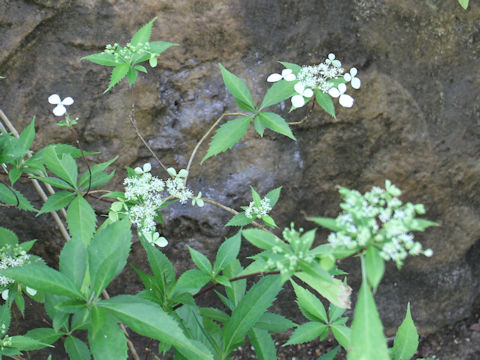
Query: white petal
(353, 71)
(274, 78)
(5, 294)
(54, 99)
(308, 93)
(336, 63)
(347, 77)
(333, 92)
(67, 101)
(59, 110)
(161, 242)
(299, 87)
(138, 171)
(342, 88)
(331, 56)
(147, 167)
(298, 101)
(346, 101)
(356, 83)
(31, 291)
(290, 77)
(286, 72)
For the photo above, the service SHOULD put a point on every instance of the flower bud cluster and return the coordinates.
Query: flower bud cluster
(11, 256)
(6, 341)
(327, 77)
(122, 54)
(256, 212)
(378, 218)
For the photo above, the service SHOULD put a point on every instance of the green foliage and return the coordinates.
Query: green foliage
(463, 3)
(406, 341)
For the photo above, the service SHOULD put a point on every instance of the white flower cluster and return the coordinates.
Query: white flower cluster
(319, 77)
(11, 256)
(149, 194)
(378, 218)
(255, 212)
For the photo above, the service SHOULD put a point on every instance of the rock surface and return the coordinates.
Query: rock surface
(416, 120)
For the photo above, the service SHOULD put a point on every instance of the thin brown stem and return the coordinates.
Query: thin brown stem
(296, 123)
(194, 152)
(133, 121)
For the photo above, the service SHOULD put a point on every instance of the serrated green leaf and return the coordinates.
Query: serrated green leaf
(258, 125)
(342, 334)
(43, 278)
(159, 263)
(367, 339)
(327, 223)
(239, 220)
(191, 281)
(56, 182)
(96, 170)
(148, 319)
(44, 335)
(102, 59)
(263, 239)
(307, 332)
(238, 89)
(27, 136)
(132, 76)
(274, 322)
(108, 253)
(14, 174)
(375, 267)
(330, 355)
(7, 237)
(335, 312)
(249, 310)
(273, 196)
(156, 47)
(25, 343)
(227, 135)
(81, 219)
(276, 123)
(310, 306)
(118, 73)
(64, 167)
(406, 340)
(143, 35)
(11, 196)
(105, 337)
(263, 344)
(227, 252)
(57, 201)
(73, 260)
(278, 92)
(76, 349)
(200, 260)
(463, 3)
(326, 102)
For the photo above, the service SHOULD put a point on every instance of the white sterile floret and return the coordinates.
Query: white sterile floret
(303, 92)
(146, 168)
(344, 99)
(287, 75)
(11, 256)
(332, 61)
(60, 109)
(154, 238)
(351, 77)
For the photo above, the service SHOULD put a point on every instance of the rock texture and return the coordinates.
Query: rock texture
(416, 120)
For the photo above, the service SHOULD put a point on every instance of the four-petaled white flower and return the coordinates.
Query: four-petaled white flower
(146, 168)
(299, 100)
(354, 81)
(344, 99)
(332, 61)
(60, 109)
(287, 75)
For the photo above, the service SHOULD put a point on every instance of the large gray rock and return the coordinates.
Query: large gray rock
(416, 120)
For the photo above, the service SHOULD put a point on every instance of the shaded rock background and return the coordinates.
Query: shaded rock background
(416, 120)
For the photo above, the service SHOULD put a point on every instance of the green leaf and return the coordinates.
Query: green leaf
(294, 67)
(273, 196)
(274, 322)
(132, 76)
(148, 319)
(238, 89)
(335, 312)
(27, 136)
(96, 170)
(263, 239)
(334, 290)
(249, 310)
(11, 196)
(278, 92)
(263, 344)
(143, 35)
(367, 341)
(14, 174)
(44, 335)
(276, 123)
(326, 102)
(158, 47)
(102, 59)
(76, 349)
(342, 334)
(81, 219)
(26, 343)
(159, 263)
(310, 306)
(375, 267)
(463, 3)
(59, 183)
(43, 278)
(108, 253)
(328, 223)
(118, 73)
(406, 341)
(308, 332)
(239, 220)
(57, 201)
(7, 237)
(227, 135)
(200, 260)
(190, 282)
(258, 125)
(227, 252)
(73, 260)
(106, 339)
(65, 168)
(330, 355)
